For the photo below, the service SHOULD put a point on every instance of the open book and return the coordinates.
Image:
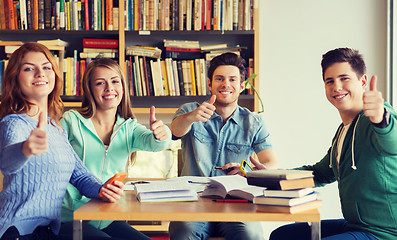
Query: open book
(231, 186)
(165, 191)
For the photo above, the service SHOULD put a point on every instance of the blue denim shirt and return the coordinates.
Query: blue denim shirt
(210, 144)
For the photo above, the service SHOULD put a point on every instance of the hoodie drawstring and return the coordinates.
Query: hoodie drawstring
(336, 139)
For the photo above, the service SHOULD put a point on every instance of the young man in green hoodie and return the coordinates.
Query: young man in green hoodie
(362, 157)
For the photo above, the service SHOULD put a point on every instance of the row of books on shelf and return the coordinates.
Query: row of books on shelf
(150, 15)
(168, 77)
(235, 188)
(187, 15)
(146, 73)
(59, 14)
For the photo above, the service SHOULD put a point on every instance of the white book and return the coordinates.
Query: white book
(170, 76)
(137, 74)
(165, 191)
(198, 76)
(23, 14)
(288, 193)
(285, 201)
(176, 78)
(203, 71)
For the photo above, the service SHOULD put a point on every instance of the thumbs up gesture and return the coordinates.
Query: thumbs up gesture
(204, 111)
(37, 141)
(373, 102)
(157, 126)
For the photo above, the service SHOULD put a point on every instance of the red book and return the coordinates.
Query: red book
(178, 49)
(100, 43)
(209, 13)
(86, 15)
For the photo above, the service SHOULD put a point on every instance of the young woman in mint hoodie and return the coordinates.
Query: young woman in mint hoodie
(105, 134)
(36, 158)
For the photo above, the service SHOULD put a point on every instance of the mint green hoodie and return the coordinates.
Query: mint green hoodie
(128, 136)
(367, 179)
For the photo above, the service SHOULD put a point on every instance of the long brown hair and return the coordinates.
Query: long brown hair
(88, 106)
(12, 98)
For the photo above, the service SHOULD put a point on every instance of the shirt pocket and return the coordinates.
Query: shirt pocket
(203, 137)
(237, 152)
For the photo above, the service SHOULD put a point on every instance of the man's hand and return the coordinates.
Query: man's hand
(37, 141)
(204, 111)
(258, 165)
(373, 102)
(157, 126)
(112, 192)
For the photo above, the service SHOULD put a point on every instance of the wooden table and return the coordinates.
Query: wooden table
(128, 208)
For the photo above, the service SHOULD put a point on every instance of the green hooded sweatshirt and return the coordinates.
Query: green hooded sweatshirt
(366, 175)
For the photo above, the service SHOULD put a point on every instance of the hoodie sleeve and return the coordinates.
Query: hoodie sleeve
(387, 137)
(323, 173)
(144, 139)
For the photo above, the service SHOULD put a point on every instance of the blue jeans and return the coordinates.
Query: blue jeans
(330, 230)
(117, 230)
(203, 230)
(40, 233)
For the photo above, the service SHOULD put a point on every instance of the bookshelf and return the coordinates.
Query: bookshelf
(249, 38)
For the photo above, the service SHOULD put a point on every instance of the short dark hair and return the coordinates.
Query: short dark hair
(339, 55)
(227, 59)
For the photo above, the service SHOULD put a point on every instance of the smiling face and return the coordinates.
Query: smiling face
(226, 85)
(107, 88)
(36, 77)
(344, 89)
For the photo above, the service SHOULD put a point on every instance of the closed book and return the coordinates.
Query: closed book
(285, 201)
(281, 184)
(180, 78)
(100, 43)
(165, 191)
(280, 174)
(98, 54)
(181, 49)
(289, 209)
(2, 16)
(182, 55)
(288, 193)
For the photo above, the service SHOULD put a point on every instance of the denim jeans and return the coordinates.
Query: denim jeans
(40, 233)
(117, 230)
(330, 230)
(203, 230)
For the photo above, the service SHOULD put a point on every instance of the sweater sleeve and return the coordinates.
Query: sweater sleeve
(87, 183)
(13, 133)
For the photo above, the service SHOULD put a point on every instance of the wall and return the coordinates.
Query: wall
(293, 36)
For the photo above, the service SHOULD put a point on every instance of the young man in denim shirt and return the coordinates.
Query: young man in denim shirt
(220, 133)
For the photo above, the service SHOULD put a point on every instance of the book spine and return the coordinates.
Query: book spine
(47, 14)
(100, 43)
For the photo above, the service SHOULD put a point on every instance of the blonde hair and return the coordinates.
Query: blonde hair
(88, 107)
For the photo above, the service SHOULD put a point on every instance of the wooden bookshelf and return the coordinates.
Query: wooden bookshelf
(249, 38)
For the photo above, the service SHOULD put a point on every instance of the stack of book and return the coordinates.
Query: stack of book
(94, 48)
(182, 49)
(287, 191)
(165, 191)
